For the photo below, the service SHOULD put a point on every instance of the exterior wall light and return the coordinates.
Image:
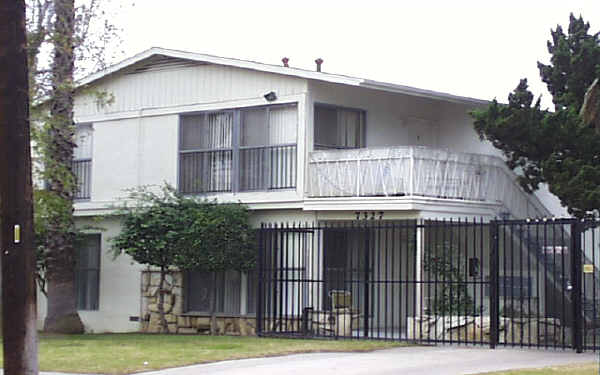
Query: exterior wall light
(271, 96)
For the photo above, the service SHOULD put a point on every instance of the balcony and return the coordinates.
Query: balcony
(412, 171)
(248, 169)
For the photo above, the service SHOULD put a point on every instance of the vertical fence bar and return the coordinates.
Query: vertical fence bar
(576, 259)
(320, 281)
(366, 281)
(557, 276)
(585, 285)
(428, 257)
(481, 271)
(494, 296)
(416, 277)
(280, 276)
(378, 286)
(434, 256)
(510, 284)
(259, 308)
(394, 279)
(530, 295)
(594, 312)
(520, 278)
(384, 245)
(537, 277)
(450, 279)
(564, 283)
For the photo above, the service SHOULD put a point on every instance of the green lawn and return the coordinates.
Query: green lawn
(126, 353)
(579, 369)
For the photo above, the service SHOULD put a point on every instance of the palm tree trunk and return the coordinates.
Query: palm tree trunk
(62, 313)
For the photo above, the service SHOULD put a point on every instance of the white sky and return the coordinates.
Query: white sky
(472, 48)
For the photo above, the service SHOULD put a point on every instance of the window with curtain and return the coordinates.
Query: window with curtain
(87, 272)
(206, 148)
(338, 128)
(239, 150)
(268, 147)
(228, 287)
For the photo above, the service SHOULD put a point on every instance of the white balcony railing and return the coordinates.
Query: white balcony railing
(419, 171)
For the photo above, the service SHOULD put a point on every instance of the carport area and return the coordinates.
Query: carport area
(417, 360)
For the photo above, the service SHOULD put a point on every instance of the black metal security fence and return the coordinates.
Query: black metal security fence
(518, 283)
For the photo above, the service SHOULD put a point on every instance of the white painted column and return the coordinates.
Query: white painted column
(419, 251)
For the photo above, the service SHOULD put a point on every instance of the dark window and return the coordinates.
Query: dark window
(87, 272)
(238, 150)
(228, 287)
(82, 161)
(338, 128)
(513, 287)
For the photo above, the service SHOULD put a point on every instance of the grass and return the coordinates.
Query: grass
(577, 369)
(127, 353)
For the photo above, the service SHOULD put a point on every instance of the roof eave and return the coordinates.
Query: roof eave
(413, 91)
(301, 73)
(287, 71)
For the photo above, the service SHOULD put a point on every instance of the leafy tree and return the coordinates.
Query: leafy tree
(453, 296)
(76, 41)
(167, 230)
(554, 147)
(219, 239)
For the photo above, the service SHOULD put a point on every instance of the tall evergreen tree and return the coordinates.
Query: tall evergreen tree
(554, 147)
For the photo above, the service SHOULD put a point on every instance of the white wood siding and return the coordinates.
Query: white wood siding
(185, 85)
(131, 153)
(402, 120)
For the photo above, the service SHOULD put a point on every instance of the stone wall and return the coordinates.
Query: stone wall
(531, 331)
(178, 321)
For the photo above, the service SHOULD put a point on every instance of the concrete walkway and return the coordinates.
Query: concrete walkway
(406, 361)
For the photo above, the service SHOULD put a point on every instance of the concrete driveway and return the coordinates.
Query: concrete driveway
(443, 360)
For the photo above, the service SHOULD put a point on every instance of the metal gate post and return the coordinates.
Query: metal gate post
(576, 278)
(259, 308)
(366, 275)
(494, 297)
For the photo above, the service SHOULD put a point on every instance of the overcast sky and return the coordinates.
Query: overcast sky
(472, 48)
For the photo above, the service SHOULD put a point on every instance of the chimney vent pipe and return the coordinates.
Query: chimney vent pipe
(319, 62)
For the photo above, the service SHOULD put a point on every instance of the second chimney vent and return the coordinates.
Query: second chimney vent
(285, 61)
(319, 62)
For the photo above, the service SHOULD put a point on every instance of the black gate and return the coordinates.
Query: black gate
(518, 283)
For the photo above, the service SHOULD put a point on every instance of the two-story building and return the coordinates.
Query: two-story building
(294, 145)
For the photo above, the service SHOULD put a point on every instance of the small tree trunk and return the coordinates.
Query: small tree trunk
(213, 305)
(164, 327)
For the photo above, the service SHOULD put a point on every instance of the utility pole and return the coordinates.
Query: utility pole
(16, 197)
